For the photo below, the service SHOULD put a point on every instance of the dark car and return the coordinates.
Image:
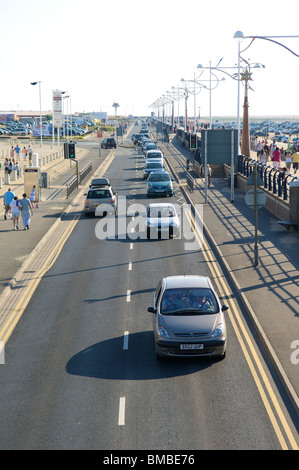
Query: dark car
(108, 143)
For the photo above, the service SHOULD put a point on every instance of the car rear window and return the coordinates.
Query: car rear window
(99, 194)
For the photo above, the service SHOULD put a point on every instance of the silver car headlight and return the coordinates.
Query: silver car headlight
(163, 332)
(219, 330)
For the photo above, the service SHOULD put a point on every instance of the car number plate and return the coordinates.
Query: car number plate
(191, 346)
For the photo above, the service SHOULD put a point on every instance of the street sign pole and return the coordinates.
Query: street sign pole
(256, 255)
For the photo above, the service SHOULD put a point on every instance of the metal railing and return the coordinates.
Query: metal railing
(275, 180)
(74, 182)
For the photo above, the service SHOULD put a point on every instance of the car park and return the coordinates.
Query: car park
(100, 201)
(159, 184)
(162, 221)
(108, 143)
(188, 319)
(151, 167)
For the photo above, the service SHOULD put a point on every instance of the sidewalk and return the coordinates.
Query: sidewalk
(269, 292)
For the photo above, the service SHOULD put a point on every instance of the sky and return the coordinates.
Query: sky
(132, 52)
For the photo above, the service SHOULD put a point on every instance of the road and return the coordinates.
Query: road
(80, 369)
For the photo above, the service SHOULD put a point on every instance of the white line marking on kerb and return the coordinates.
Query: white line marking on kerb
(128, 296)
(121, 412)
(126, 340)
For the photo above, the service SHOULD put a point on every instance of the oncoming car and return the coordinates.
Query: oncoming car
(162, 221)
(159, 184)
(188, 318)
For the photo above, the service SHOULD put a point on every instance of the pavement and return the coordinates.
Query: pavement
(269, 292)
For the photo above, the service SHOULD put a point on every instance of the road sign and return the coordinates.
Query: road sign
(260, 198)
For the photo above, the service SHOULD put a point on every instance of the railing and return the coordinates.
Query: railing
(76, 180)
(275, 180)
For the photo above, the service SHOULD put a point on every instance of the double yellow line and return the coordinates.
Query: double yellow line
(20, 307)
(247, 346)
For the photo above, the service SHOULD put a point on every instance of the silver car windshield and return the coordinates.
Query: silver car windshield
(188, 301)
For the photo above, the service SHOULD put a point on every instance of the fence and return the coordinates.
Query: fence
(275, 180)
(77, 179)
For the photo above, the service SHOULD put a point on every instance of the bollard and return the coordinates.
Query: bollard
(6, 179)
(0, 183)
(13, 175)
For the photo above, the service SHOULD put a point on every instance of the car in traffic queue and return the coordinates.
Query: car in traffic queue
(100, 201)
(154, 155)
(152, 167)
(162, 221)
(108, 143)
(159, 183)
(188, 319)
(149, 146)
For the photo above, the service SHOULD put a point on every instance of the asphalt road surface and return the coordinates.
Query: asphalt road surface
(80, 368)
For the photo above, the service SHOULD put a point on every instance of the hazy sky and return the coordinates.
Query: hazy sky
(133, 51)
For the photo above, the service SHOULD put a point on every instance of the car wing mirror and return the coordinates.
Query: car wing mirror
(151, 310)
(224, 307)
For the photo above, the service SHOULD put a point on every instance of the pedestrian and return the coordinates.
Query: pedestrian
(18, 169)
(7, 198)
(263, 157)
(26, 211)
(6, 165)
(276, 158)
(24, 153)
(32, 197)
(15, 212)
(30, 152)
(10, 166)
(295, 158)
(272, 148)
(12, 152)
(209, 175)
(288, 161)
(17, 150)
(259, 148)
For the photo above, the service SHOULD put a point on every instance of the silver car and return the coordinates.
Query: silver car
(188, 318)
(100, 201)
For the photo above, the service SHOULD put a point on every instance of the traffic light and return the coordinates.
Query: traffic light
(72, 150)
(66, 150)
(193, 141)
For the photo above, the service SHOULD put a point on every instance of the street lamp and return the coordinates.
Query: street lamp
(40, 117)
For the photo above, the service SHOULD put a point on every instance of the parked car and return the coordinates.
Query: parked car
(162, 221)
(100, 201)
(159, 184)
(188, 318)
(17, 132)
(108, 143)
(151, 167)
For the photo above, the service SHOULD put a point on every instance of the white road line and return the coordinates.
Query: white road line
(126, 341)
(121, 412)
(128, 296)
(131, 246)
(130, 266)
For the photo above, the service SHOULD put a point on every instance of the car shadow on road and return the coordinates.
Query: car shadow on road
(108, 360)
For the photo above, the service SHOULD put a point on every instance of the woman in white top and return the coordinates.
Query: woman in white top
(15, 212)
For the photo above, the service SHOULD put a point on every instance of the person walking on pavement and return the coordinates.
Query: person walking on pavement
(7, 198)
(32, 197)
(276, 158)
(12, 152)
(295, 159)
(17, 150)
(15, 212)
(24, 153)
(26, 211)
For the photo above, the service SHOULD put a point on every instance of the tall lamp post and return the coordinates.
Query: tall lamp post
(40, 117)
